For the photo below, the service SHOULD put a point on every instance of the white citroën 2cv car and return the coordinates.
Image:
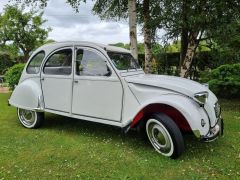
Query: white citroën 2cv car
(104, 84)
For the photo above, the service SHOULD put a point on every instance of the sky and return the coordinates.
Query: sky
(67, 25)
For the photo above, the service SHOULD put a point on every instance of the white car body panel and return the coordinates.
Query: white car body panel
(188, 108)
(57, 90)
(27, 95)
(155, 85)
(94, 96)
(99, 97)
(113, 100)
(209, 107)
(172, 83)
(130, 105)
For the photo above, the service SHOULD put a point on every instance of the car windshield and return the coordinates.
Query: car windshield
(123, 61)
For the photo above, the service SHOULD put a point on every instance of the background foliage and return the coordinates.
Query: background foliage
(13, 74)
(225, 81)
(5, 62)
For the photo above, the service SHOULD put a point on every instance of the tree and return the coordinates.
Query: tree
(22, 29)
(147, 30)
(195, 21)
(132, 16)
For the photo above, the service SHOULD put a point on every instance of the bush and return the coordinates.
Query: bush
(225, 81)
(204, 76)
(13, 75)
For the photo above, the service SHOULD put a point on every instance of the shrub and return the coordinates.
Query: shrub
(205, 76)
(225, 81)
(13, 75)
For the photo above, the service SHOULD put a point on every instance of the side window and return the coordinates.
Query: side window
(35, 63)
(59, 63)
(89, 63)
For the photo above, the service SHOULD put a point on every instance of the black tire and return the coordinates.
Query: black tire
(164, 135)
(30, 119)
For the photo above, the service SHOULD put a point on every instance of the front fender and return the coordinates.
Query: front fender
(28, 95)
(192, 112)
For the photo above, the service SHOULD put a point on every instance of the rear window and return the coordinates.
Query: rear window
(35, 63)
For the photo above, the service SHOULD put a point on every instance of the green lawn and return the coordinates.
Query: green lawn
(68, 148)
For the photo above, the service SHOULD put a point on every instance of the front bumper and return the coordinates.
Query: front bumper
(214, 132)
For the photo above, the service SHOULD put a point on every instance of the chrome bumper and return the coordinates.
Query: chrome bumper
(214, 132)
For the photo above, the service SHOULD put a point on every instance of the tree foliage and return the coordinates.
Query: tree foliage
(22, 29)
(209, 16)
(228, 39)
(10, 49)
(43, 3)
(111, 9)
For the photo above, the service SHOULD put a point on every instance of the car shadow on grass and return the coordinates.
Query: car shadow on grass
(194, 148)
(87, 128)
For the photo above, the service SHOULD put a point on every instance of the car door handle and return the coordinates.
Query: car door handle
(42, 78)
(75, 81)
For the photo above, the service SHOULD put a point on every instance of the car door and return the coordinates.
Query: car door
(56, 80)
(97, 90)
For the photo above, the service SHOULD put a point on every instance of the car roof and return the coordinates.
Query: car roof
(56, 45)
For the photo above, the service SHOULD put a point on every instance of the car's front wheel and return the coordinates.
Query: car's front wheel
(165, 135)
(30, 119)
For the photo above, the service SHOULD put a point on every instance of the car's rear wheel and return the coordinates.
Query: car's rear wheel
(30, 119)
(164, 135)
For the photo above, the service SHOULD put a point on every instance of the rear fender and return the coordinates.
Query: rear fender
(28, 95)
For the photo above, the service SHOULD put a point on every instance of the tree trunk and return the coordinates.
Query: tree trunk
(25, 51)
(184, 46)
(192, 46)
(147, 36)
(133, 27)
(25, 56)
(184, 34)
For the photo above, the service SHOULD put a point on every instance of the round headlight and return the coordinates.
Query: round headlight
(201, 97)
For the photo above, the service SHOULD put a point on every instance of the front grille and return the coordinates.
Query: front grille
(217, 109)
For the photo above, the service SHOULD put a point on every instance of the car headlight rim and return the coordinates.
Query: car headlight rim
(201, 97)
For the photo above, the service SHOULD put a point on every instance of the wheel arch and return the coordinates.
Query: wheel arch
(186, 113)
(170, 111)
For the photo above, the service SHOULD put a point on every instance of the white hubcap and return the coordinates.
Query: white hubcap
(159, 137)
(27, 117)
